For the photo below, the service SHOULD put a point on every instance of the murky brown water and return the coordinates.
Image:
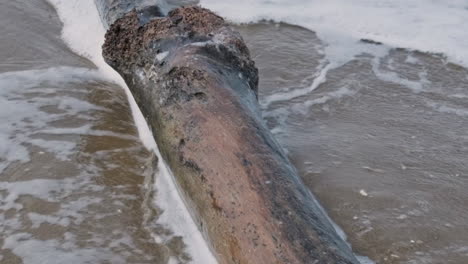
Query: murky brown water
(76, 182)
(382, 143)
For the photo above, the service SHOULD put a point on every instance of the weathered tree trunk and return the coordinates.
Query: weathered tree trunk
(194, 81)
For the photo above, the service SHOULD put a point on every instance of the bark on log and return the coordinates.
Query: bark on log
(194, 80)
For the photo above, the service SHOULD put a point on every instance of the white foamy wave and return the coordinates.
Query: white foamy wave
(436, 26)
(81, 18)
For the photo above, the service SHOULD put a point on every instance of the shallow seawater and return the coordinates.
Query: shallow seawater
(76, 182)
(381, 141)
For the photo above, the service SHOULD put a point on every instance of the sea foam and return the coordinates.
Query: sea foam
(435, 26)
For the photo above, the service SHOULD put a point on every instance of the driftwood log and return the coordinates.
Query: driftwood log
(192, 77)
